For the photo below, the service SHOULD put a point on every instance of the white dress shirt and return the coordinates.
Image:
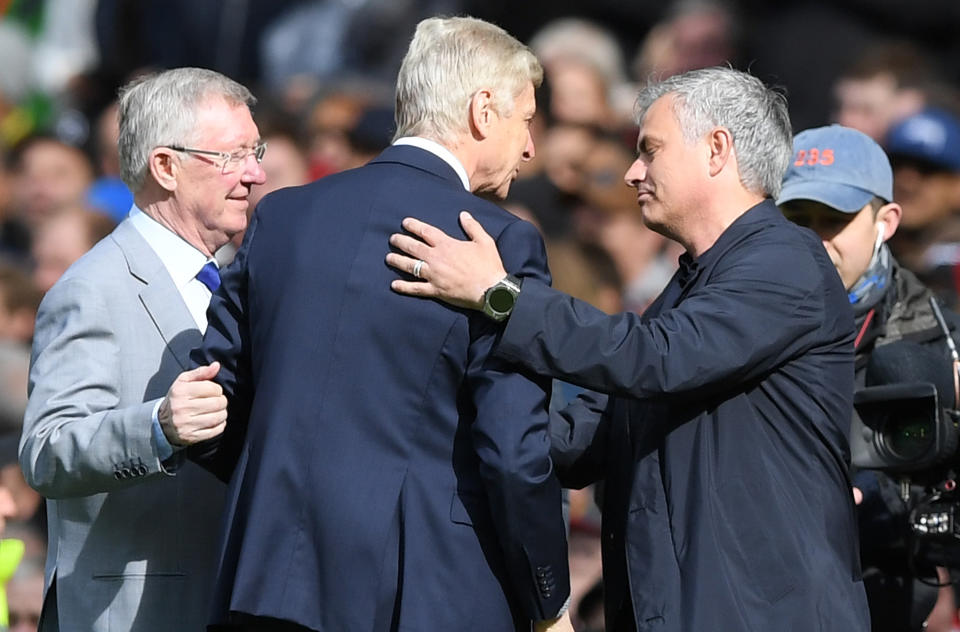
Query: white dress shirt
(439, 151)
(181, 260)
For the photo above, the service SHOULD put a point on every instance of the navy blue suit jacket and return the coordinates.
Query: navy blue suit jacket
(387, 473)
(723, 441)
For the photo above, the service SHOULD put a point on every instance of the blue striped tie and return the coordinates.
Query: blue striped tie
(209, 275)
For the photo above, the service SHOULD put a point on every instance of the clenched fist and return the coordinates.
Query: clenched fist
(195, 408)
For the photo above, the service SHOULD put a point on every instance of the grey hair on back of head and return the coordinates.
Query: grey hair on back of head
(449, 60)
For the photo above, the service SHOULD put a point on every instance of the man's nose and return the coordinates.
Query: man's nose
(529, 151)
(253, 172)
(636, 173)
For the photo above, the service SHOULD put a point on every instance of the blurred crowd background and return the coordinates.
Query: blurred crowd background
(323, 72)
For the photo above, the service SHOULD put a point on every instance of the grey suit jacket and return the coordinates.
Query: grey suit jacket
(132, 547)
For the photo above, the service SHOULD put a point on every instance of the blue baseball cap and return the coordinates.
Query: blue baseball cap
(837, 166)
(931, 136)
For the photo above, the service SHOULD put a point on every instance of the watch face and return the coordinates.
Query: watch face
(501, 300)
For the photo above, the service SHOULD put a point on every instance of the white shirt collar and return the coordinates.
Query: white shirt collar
(439, 151)
(181, 260)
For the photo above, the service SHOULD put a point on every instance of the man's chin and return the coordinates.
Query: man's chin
(504, 190)
(497, 195)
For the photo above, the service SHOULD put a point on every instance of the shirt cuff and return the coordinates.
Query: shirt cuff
(164, 449)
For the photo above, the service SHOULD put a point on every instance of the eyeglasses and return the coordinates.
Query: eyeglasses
(230, 162)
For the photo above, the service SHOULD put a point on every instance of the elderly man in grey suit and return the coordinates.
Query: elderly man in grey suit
(132, 525)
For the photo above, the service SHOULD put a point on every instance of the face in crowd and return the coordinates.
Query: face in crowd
(849, 238)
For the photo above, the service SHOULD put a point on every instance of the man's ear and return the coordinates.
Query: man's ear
(164, 166)
(720, 145)
(482, 113)
(889, 215)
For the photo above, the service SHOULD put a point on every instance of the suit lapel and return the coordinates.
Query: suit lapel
(159, 295)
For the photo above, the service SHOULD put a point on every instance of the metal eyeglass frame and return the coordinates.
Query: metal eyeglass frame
(257, 152)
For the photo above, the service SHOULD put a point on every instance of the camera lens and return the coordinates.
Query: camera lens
(907, 438)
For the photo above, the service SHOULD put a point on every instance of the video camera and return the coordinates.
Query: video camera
(902, 428)
(907, 427)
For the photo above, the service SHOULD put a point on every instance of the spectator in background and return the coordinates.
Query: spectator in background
(579, 93)
(107, 141)
(48, 176)
(221, 36)
(5, 184)
(14, 367)
(19, 300)
(14, 235)
(25, 596)
(924, 150)
(19, 503)
(321, 40)
(553, 194)
(64, 238)
(694, 34)
(644, 259)
(890, 81)
(11, 549)
(132, 547)
(285, 165)
(586, 271)
(584, 66)
(108, 193)
(329, 120)
(370, 135)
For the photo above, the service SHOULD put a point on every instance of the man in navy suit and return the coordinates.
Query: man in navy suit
(722, 429)
(385, 472)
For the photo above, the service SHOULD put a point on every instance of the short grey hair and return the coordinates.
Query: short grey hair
(755, 114)
(160, 109)
(448, 62)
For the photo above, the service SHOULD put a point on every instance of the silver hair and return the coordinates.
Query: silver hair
(448, 62)
(160, 109)
(755, 115)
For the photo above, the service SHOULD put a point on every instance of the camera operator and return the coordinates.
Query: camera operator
(840, 184)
